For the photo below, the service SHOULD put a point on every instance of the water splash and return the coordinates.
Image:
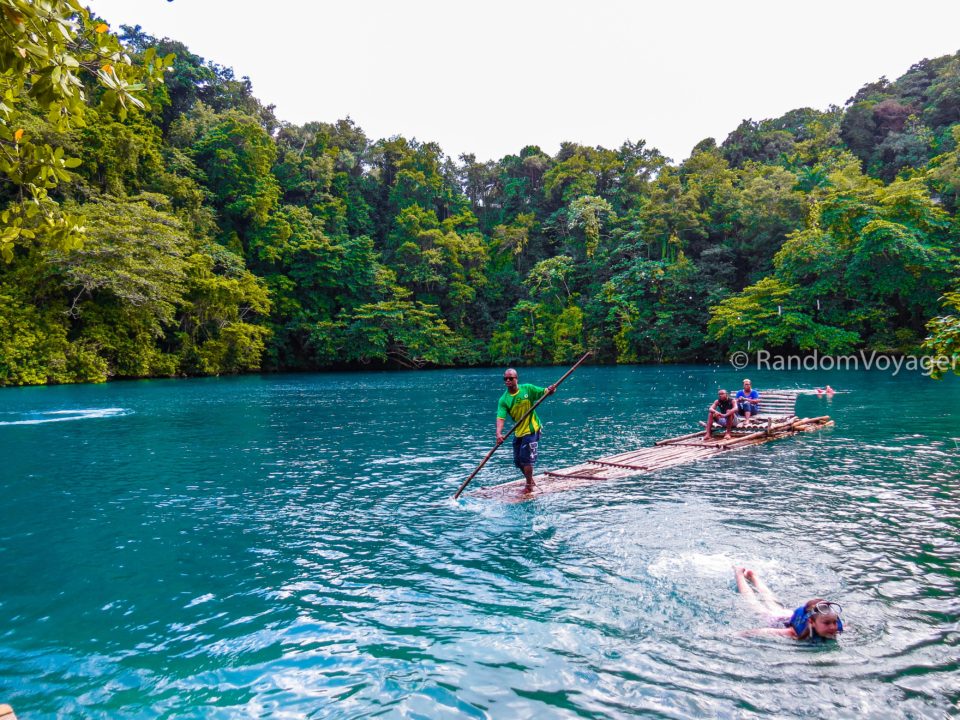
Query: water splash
(51, 416)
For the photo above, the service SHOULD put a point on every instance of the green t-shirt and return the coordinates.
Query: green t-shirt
(516, 405)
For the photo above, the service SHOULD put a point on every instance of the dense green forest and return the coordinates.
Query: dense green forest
(158, 220)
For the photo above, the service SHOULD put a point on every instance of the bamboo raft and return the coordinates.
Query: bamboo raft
(680, 450)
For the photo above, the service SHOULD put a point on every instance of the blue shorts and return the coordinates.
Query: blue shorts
(747, 407)
(525, 449)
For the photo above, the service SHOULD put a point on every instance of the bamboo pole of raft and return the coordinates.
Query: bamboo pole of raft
(793, 426)
(822, 420)
(677, 459)
(574, 476)
(639, 454)
(519, 422)
(766, 432)
(668, 441)
(646, 454)
(618, 465)
(733, 442)
(618, 470)
(652, 462)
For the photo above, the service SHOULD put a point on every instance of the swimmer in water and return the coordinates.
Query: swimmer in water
(817, 618)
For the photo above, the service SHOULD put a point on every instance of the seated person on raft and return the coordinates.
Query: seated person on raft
(815, 619)
(748, 400)
(723, 412)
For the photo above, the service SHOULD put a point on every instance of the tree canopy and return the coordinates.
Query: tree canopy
(157, 219)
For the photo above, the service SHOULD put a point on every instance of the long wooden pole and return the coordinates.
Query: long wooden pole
(519, 422)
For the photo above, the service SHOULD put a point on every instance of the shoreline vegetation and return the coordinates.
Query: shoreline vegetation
(158, 220)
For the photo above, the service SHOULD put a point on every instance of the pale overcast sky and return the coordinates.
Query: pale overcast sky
(490, 77)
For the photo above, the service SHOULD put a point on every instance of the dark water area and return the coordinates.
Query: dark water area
(286, 546)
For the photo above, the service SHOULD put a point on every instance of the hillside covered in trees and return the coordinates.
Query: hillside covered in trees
(199, 234)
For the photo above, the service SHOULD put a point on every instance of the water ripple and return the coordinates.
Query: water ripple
(286, 547)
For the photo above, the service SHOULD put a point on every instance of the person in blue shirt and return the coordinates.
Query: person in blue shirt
(816, 619)
(748, 400)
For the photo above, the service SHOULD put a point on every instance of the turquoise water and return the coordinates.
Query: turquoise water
(285, 546)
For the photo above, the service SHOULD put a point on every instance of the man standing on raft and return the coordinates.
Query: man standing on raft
(515, 402)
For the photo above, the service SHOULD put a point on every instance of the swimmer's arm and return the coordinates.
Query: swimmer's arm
(788, 632)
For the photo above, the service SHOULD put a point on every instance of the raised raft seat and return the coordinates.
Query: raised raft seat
(776, 406)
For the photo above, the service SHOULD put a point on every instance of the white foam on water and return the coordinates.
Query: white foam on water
(483, 508)
(692, 563)
(200, 600)
(707, 566)
(50, 416)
